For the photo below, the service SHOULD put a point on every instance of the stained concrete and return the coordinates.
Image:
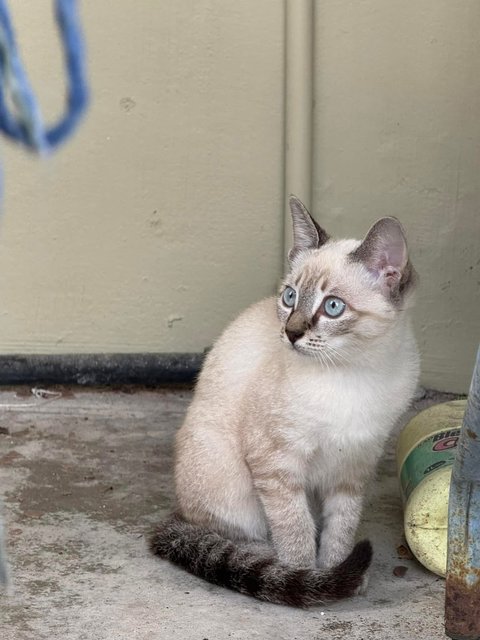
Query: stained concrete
(85, 474)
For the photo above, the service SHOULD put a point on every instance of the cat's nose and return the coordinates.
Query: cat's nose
(294, 334)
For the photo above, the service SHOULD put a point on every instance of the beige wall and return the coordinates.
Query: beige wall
(163, 217)
(397, 132)
(160, 221)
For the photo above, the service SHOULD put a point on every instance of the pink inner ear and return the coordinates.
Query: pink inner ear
(391, 275)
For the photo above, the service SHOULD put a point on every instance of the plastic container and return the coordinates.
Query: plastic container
(425, 454)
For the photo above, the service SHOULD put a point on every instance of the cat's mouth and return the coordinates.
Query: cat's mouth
(303, 344)
(315, 348)
(306, 348)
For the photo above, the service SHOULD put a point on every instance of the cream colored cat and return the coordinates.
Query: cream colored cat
(289, 418)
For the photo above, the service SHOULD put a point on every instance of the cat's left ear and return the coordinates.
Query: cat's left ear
(307, 234)
(385, 254)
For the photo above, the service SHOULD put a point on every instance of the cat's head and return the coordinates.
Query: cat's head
(341, 294)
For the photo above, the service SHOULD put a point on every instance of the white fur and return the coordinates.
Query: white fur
(270, 424)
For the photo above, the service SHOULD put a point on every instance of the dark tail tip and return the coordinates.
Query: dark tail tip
(360, 558)
(350, 573)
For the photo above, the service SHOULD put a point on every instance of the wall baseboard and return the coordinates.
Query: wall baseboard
(92, 369)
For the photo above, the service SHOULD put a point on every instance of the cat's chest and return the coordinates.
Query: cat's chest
(338, 411)
(338, 430)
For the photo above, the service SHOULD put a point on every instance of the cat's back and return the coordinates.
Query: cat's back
(238, 353)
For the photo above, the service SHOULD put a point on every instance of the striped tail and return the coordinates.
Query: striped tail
(218, 560)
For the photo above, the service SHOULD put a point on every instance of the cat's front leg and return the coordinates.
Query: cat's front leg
(290, 522)
(341, 515)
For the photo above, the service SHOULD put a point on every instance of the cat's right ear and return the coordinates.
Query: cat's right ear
(307, 234)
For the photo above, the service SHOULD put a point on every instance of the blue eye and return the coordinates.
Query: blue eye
(289, 296)
(333, 307)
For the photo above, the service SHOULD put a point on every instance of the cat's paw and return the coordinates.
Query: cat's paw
(361, 590)
(329, 561)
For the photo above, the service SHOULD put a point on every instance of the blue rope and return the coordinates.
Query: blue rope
(20, 115)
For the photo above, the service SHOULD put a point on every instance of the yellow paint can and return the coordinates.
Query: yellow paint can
(425, 454)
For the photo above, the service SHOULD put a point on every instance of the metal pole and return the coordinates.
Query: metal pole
(3, 554)
(462, 597)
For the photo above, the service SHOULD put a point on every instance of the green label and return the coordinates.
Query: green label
(438, 450)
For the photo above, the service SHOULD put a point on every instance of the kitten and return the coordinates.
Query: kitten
(289, 418)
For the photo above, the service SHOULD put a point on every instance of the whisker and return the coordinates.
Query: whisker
(340, 355)
(328, 355)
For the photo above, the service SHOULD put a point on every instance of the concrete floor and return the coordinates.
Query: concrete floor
(84, 476)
